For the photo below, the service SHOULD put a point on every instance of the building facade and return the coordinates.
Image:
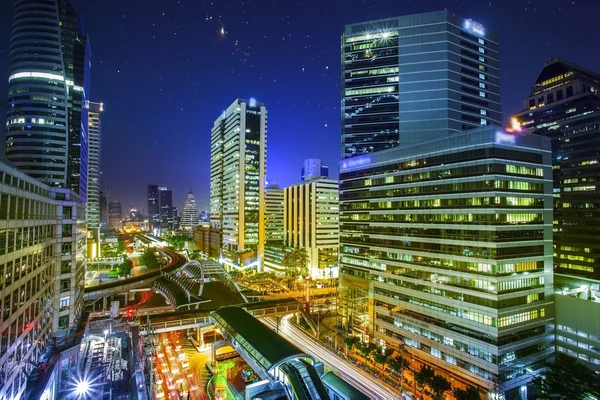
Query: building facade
(274, 211)
(42, 263)
(189, 215)
(564, 105)
(416, 77)
(446, 249)
(93, 174)
(103, 209)
(237, 181)
(153, 206)
(115, 215)
(208, 240)
(311, 221)
(47, 121)
(166, 209)
(313, 168)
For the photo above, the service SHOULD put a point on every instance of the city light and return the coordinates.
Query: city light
(474, 27)
(82, 388)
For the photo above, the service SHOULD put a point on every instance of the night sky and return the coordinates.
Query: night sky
(166, 69)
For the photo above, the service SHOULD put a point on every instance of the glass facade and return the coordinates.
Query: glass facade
(95, 139)
(564, 105)
(47, 121)
(445, 248)
(415, 78)
(237, 187)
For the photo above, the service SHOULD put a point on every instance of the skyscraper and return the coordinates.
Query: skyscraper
(115, 215)
(166, 208)
(445, 250)
(564, 105)
(237, 181)
(189, 215)
(103, 209)
(47, 121)
(94, 147)
(153, 206)
(274, 210)
(313, 168)
(311, 221)
(416, 77)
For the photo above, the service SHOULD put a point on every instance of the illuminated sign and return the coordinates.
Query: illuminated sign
(356, 162)
(474, 27)
(253, 112)
(252, 102)
(505, 138)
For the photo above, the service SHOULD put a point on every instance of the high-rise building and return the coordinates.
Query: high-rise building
(166, 208)
(313, 168)
(93, 174)
(103, 209)
(445, 250)
(204, 216)
(42, 263)
(416, 77)
(48, 85)
(311, 221)
(274, 210)
(115, 215)
(237, 181)
(153, 206)
(189, 215)
(564, 105)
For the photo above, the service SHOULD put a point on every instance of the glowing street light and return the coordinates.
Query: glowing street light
(82, 388)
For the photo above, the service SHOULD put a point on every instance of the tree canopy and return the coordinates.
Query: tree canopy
(566, 379)
(296, 263)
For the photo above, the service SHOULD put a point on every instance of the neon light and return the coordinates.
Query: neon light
(505, 138)
(45, 75)
(356, 162)
(474, 27)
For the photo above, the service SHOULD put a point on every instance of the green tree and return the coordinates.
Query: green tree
(177, 241)
(470, 393)
(149, 259)
(296, 264)
(424, 376)
(567, 379)
(351, 342)
(121, 247)
(125, 267)
(439, 385)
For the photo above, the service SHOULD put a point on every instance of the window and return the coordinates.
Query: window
(569, 91)
(482, 76)
(483, 121)
(482, 58)
(481, 41)
(482, 85)
(64, 303)
(483, 112)
(481, 94)
(482, 50)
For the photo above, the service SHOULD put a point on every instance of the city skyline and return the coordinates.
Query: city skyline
(314, 108)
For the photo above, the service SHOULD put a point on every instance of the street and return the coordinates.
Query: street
(356, 377)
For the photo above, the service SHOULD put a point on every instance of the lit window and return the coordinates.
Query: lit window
(482, 85)
(482, 58)
(483, 112)
(481, 94)
(482, 50)
(481, 41)
(483, 121)
(482, 76)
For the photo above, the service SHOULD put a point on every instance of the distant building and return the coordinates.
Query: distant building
(274, 209)
(311, 221)
(166, 209)
(204, 216)
(189, 215)
(208, 240)
(115, 215)
(176, 219)
(93, 173)
(313, 168)
(153, 206)
(237, 177)
(103, 209)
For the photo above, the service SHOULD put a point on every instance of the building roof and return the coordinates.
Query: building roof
(557, 66)
(343, 387)
(264, 345)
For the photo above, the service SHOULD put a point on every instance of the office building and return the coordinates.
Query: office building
(189, 215)
(564, 105)
(103, 209)
(313, 168)
(204, 216)
(42, 263)
(446, 249)
(414, 78)
(93, 174)
(274, 210)
(311, 221)
(166, 209)
(208, 241)
(237, 181)
(48, 86)
(153, 206)
(115, 215)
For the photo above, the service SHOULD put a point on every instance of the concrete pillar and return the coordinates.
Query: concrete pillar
(132, 296)
(199, 336)
(298, 318)
(103, 303)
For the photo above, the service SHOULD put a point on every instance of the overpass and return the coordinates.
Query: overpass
(136, 282)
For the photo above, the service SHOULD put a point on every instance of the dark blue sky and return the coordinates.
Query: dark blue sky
(165, 70)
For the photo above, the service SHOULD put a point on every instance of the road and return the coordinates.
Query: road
(355, 376)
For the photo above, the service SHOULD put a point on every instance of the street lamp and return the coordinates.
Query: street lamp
(82, 388)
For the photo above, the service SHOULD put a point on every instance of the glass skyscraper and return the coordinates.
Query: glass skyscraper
(47, 121)
(237, 181)
(416, 77)
(94, 146)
